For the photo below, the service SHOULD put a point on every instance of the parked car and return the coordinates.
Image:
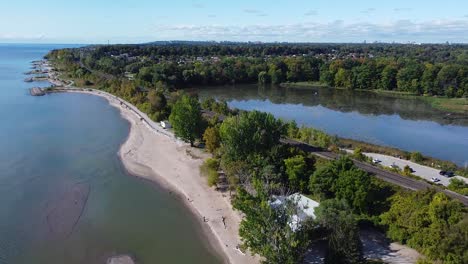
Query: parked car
(434, 179)
(376, 161)
(449, 174)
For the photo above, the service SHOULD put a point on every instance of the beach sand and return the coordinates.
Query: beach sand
(155, 154)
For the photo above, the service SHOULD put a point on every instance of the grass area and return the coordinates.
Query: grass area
(303, 84)
(457, 105)
(389, 92)
(454, 105)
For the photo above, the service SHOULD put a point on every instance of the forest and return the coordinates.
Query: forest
(426, 69)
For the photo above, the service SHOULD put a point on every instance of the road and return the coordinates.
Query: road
(425, 172)
(391, 177)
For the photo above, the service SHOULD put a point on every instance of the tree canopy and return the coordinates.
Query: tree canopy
(250, 133)
(186, 118)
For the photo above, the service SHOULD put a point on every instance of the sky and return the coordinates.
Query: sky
(139, 21)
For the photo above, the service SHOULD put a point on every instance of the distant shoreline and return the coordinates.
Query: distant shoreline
(441, 103)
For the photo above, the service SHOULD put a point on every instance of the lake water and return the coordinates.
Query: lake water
(53, 151)
(408, 124)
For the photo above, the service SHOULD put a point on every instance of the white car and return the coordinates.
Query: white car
(376, 161)
(434, 179)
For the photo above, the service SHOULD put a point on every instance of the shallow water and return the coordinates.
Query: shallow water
(55, 148)
(408, 124)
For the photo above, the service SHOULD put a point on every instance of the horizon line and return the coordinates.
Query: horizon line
(241, 42)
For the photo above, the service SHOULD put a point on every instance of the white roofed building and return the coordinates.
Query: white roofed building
(304, 205)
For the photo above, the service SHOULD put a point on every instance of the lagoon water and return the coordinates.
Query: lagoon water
(56, 148)
(408, 124)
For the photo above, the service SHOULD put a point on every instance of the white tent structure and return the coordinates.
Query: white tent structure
(304, 205)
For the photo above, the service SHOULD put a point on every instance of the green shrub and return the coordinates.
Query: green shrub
(209, 169)
(458, 186)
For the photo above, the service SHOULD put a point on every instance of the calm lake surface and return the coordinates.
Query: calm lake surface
(408, 124)
(57, 148)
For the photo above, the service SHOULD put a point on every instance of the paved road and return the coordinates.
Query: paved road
(425, 172)
(394, 178)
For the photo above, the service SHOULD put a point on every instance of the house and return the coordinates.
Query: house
(304, 205)
(165, 124)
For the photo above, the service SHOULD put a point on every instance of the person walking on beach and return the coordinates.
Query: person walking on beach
(224, 221)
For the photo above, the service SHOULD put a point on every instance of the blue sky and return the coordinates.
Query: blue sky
(126, 21)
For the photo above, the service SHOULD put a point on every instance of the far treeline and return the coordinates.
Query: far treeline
(429, 69)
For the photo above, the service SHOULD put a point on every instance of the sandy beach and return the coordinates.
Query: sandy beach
(155, 154)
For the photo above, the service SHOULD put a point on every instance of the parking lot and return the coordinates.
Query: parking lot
(419, 170)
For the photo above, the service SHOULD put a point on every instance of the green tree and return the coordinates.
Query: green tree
(343, 78)
(296, 169)
(322, 182)
(292, 130)
(344, 244)
(266, 231)
(425, 220)
(211, 138)
(250, 133)
(459, 186)
(428, 79)
(364, 76)
(157, 100)
(208, 103)
(447, 79)
(354, 186)
(264, 78)
(388, 77)
(408, 77)
(416, 156)
(407, 170)
(357, 154)
(186, 118)
(343, 180)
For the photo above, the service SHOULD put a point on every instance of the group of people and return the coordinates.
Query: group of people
(223, 219)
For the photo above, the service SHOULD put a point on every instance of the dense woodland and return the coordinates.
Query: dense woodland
(257, 167)
(417, 69)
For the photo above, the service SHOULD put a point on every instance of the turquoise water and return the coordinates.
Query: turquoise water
(408, 124)
(53, 145)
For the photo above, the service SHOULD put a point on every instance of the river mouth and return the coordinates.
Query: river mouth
(409, 124)
(64, 194)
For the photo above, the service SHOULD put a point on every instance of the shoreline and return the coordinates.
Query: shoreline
(174, 166)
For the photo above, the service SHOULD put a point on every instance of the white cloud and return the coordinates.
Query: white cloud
(336, 31)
